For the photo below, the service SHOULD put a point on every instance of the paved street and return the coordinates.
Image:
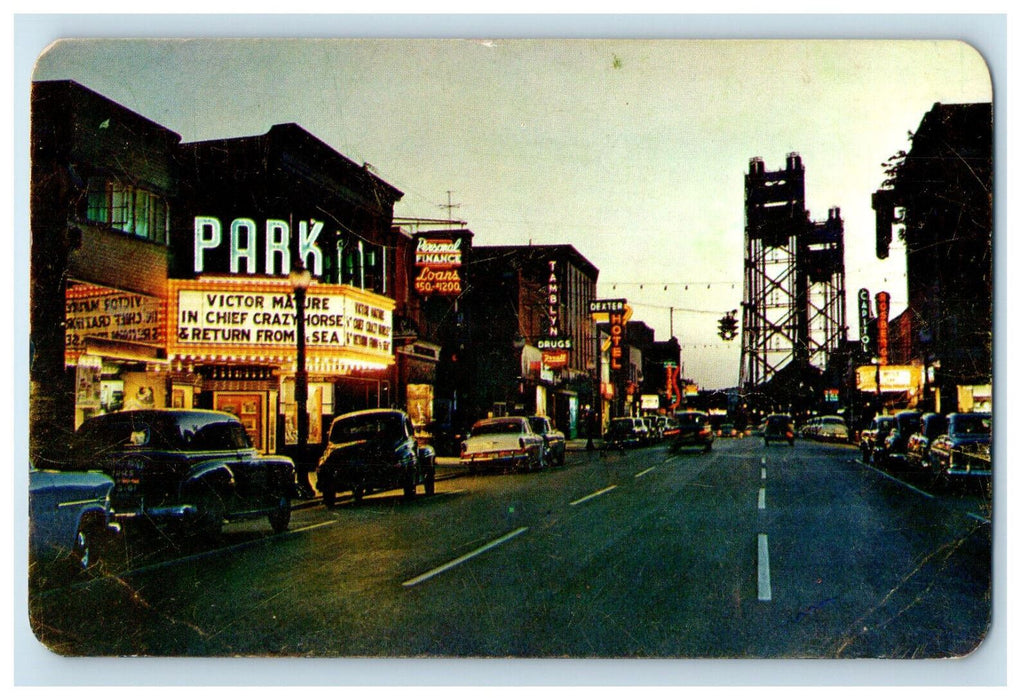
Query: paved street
(746, 552)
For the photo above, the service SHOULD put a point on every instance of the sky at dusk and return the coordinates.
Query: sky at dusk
(632, 150)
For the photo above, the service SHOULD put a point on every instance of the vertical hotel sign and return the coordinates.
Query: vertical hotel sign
(617, 313)
(437, 265)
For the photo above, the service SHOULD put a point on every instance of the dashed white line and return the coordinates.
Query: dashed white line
(763, 474)
(763, 569)
(460, 560)
(593, 495)
(644, 471)
(978, 517)
(761, 499)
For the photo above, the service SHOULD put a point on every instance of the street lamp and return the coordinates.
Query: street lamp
(300, 279)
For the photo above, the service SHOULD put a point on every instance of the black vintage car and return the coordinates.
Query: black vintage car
(692, 429)
(930, 427)
(893, 451)
(371, 450)
(779, 427)
(963, 452)
(873, 437)
(184, 469)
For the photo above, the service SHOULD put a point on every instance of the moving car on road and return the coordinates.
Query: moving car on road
(70, 524)
(964, 450)
(779, 427)
(184, 468)
(554, 443)
(374, 450)
(693, 430)
(502, 442)
(827, 429)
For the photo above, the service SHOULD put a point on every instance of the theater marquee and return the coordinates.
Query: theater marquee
(255, 320)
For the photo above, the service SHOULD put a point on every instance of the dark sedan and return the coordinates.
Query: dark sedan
(930, 427)
(873, 437)
(964, 450)
(893, 450)
(554, 442)
(374, 450)
(692, 429)
(779, 428)
(185, 469)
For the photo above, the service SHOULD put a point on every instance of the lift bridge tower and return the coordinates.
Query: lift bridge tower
(794, 308)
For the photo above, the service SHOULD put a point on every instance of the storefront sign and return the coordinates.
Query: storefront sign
(864, 312)
(602, 308)
(555, 359)
(888, 378)
(227, 316)
(882, 303)
(92, 311)
(437, 263)
(553, 305)
(255, 248)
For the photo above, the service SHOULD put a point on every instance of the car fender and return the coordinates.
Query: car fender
(205, 478)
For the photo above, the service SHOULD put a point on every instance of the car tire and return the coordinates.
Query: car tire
(409, 487)
(279, 518)
(328, 498)
(86, 558)
(358, 493)
(430, 482)
(708, 447)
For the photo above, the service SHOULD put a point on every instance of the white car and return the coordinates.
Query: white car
(507, 442)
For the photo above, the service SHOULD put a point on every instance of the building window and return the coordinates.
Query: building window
(127, 208)
(363, 265)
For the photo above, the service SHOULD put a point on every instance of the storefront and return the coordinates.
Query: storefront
(233, 347)
(115, 343)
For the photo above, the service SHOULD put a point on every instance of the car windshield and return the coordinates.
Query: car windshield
(972, 425)
(907, 423)
(492, 427)
(377, 427)
(833, 420)
(778, 422)
(538, 424)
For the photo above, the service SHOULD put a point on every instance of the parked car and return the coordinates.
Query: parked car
(693, 430)
(873, 437)
(931, 426)
(70, 525)
(626, 431)
(374, 450)
(502, 442)
(186, 469)
(554, 443)
(964, 450)
(656, 433)
(893, 450)
(779, 427)
(828, 429)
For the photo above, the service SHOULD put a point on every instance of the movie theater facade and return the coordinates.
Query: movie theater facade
(181, 267)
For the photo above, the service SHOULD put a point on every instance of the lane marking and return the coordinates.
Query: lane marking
(763, 474)
(890, 476)
(461, 559)
(978, 517)
(593, 495)
(644, 471)
(763, 569)
(761, 499)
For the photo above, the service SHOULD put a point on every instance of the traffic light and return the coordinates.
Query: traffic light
(728, 326)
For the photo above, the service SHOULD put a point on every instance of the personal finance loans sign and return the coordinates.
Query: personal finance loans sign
(222, 315)
(437, 263)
